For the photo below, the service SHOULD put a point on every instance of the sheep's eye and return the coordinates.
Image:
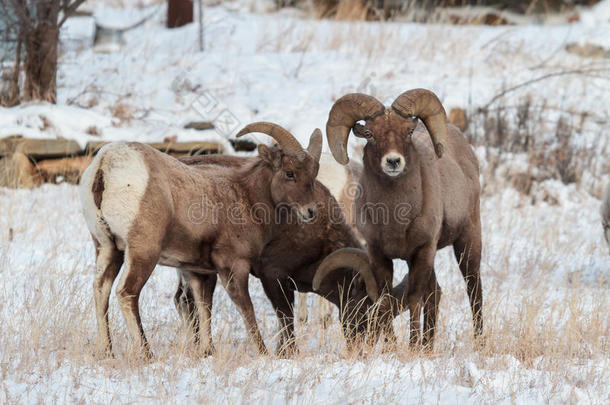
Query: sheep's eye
(413, 117)
(368, 134)
(289, 175)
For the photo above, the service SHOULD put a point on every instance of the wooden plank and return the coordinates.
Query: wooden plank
(177, 148)
(39, 148)
(63, 170)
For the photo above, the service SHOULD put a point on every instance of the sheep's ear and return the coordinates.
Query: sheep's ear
(270, 156)
(315, 144)
(361, 131)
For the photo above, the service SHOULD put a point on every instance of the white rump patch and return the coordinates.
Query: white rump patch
(125, 181)
(333, 175)
(90, 211)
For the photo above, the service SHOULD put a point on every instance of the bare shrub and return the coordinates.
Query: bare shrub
(93, 131)
(122, 111)
(550, 144)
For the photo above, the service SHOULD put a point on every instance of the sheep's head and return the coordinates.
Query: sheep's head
(294, 168)
(387, 130)
(366, 307)
(357, 285)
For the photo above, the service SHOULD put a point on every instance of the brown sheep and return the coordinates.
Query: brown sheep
(144, 207)
(427, 194)
(289, 262)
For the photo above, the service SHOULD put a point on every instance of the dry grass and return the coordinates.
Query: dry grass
(547, 330)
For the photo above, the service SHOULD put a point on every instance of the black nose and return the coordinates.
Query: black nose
(393, 162)
(311, 212)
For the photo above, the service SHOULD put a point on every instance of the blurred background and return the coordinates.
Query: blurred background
(527, 81)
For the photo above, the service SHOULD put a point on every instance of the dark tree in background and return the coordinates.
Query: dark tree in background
(34, 26)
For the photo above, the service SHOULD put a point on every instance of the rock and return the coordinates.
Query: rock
(199, 125)
(588, 50)
(457, 116)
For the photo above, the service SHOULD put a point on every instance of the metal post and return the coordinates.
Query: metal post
(201, 39)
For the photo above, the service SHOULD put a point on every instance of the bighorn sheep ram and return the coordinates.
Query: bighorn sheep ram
(289, 262)
(143, 207)
(428, 194)
(605, 213)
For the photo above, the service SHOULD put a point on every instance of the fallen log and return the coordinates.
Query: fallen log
(39, 148)
(27, 163)
(173, 148)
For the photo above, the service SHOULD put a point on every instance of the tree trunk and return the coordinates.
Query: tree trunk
(41, 54)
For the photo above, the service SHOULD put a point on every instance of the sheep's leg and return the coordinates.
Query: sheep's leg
(282, 300)
(431, 303)
(325, 311)
(139, 267)
(108, 261)
(414, 304)
(185, 305)
(235, 281)
(202, 288)
(302, 308)
(384, 273)
(422, 289)
(467, 250)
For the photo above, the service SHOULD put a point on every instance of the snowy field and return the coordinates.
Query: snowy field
(545, 267)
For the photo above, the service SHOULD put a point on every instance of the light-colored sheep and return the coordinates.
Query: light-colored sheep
(144, 207)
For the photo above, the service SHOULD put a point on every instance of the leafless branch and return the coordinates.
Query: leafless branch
(69, 9)
(543, 77)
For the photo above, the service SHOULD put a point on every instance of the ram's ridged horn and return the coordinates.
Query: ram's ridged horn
(287, 142)
(343, 115)
(425, 105)
(353, 258)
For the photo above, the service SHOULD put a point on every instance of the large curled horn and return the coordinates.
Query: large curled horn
(287, 142)
(424, 104)
(315, 144)
(356, 259)
(343, 115)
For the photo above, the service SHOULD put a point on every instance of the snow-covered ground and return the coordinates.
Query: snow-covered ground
(545, 272)
(545, 268)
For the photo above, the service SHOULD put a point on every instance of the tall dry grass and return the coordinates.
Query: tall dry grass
(546, 323)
